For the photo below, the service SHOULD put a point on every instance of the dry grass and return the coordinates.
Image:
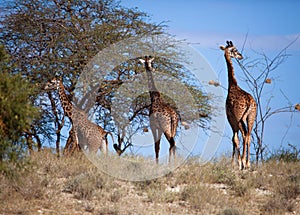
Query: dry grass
(74, 185)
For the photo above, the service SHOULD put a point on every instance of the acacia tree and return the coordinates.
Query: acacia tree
(137, 120)
(52, 37)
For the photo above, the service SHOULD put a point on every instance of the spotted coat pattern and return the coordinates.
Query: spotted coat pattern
(87, 134)
(240, 109)
(163, 118)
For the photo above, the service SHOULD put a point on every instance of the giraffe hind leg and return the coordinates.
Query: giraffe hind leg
(172, 148)
(250, 122)
(233, 152)
(172, 145)
(236, 149)
(244, 132)
(249, 117)
(156, 136)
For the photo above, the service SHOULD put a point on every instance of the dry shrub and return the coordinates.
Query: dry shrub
(108, 211)
(289, 154)
(231, 211)
(240, 188)
(32, 187)
(258, 180)
(161, 196)
(142, 186)
(28, 185)
(155, 190)
(201, 197)
(284, 182)
(289, 191)
(195, 172)
(116, 195)
(192, 172)
(63, 167)
(277, 205)
(223, 173)
(89, 207)
(85, 185)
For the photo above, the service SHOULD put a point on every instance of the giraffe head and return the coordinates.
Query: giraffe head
(147, 62)
(231, 50)
(53, 84)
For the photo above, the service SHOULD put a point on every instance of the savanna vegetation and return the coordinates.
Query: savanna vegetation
(43, 39)
(72, 185)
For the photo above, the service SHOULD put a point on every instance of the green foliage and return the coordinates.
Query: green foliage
(16, 114)
(4, 59)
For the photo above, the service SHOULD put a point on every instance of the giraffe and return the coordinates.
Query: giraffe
(240, 109)
(163, 118)
(94, 136)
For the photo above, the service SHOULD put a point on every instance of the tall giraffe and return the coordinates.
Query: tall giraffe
(91, 135)
(240, 109)
(163, 118)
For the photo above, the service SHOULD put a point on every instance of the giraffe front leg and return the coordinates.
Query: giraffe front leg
(233, 154)
(156, 136)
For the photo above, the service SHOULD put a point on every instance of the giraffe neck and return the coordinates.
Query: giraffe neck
(154, 93)
(66, 103)
(231, 79)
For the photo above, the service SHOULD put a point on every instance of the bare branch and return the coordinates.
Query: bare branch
(257, 84)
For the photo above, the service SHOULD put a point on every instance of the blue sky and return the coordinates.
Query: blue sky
(194, 19)
(270, 25)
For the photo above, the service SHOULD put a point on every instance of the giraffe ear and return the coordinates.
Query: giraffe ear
(222, 47)
(151, 59)
(142, 61)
